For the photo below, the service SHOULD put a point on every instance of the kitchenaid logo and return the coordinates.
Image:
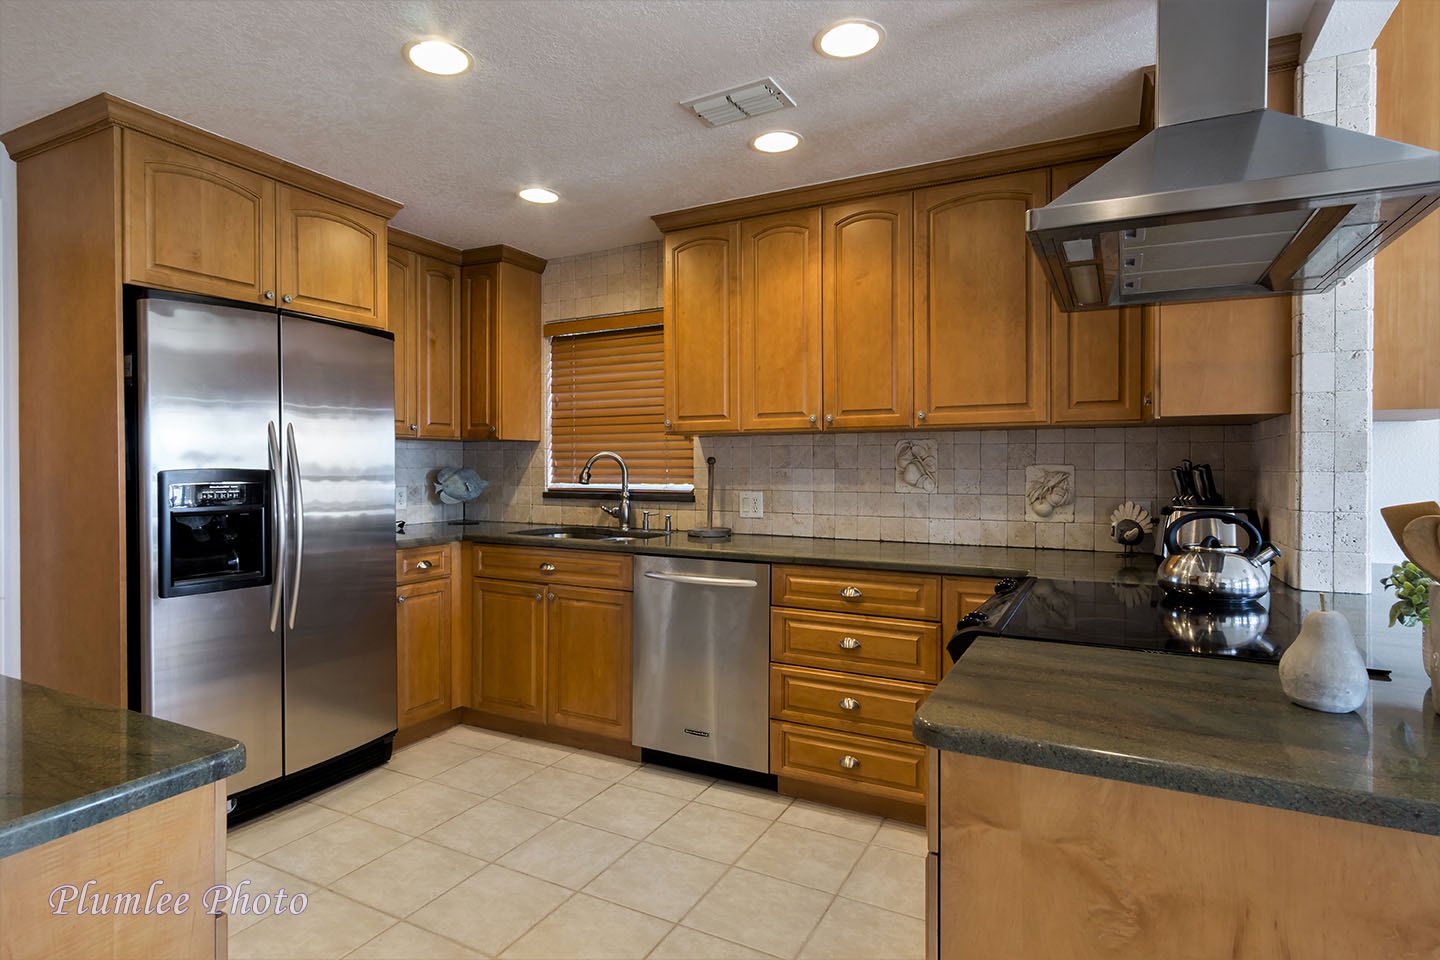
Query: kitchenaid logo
(85, 901)
(697, 733)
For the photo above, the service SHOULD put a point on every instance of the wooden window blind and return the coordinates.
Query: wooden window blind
(607, 392)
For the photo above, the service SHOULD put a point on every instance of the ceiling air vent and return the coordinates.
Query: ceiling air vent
(748, 100)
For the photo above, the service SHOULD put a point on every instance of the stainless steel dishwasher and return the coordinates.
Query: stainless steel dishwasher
(702, 660)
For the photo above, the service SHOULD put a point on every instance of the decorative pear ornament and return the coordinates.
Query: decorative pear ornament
(1323, 669)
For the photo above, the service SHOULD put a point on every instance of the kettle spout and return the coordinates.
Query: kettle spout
(1268, 553)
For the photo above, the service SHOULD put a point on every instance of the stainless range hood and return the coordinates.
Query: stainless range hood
(1224, 198)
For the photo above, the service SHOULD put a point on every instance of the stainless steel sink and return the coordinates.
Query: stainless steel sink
(611, 534)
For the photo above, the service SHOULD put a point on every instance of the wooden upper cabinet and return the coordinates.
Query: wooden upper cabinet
(501, 349)
(331, 258)
(437, 345)
(780, 321)
(193, 223)
(400, 269)
(702, 329)
(981, 303)
(1096, 356)
(1223, 358)
(865, 311)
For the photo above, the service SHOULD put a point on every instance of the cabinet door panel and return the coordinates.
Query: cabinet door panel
(1224, 358)
(331, 258)
(702, 333)
(1095, 355)
(423, 668)
(400, 317)
(780, 321)
(588, 640)
(866, 312)
(196, 224)
(438, 346)
(981, 303)
(508, 623)
(478, 394)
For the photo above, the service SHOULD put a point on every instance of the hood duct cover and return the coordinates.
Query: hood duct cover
(1237, 204)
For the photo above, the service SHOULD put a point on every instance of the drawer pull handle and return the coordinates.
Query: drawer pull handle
(423, 565)
(399, 599)
(849, 762)
(849, 703)
(539, 597)
(850, 593)
(849, 643)
(547, 567)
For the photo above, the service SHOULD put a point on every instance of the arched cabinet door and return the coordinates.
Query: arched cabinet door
(195, 224)
(780, 321)
(982, 306)
(331, 258)
(865, 312)
(702, 329)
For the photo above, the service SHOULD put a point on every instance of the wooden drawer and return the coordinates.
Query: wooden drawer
(960, 595)
(902, 649)
(880, 767)
(878, 708)
(422, 563)
(885, 594)
(580, 568)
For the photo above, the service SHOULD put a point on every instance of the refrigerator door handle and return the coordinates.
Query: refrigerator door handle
(297, 516)
(277, 530)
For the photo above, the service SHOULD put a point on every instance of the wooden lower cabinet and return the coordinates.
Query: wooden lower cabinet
(426, 612)
(1028, 862)
(867, 765)
(550, 653)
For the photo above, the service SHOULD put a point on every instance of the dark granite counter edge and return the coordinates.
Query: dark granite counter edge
(62, 819)
(1359, 806)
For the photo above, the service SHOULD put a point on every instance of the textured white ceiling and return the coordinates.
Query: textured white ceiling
(582, 95)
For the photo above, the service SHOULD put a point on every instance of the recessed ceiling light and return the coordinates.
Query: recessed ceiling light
(849, 38)
(776, 141)
(439, 57)
(539, 195)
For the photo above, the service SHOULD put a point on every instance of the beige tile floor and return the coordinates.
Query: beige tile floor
(476, 844)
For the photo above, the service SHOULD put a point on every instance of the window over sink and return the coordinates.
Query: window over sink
(607, 392)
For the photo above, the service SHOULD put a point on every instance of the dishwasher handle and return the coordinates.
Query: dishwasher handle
(701, 580)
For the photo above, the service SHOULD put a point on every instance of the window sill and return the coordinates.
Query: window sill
(636, 496)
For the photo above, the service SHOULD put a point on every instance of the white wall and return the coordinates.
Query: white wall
(9, 433)
(1405, 469)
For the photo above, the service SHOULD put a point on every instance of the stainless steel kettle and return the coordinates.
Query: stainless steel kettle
(1210, 571)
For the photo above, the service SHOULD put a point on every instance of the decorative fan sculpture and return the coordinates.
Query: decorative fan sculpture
(1129, 524)
(459, 485)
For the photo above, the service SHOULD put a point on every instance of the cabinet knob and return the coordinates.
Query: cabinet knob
(399, 599)
(1147, 401)
(812, 418)
(849, 762)
(850, 593)
(667, 424)
(287, 299)
(919, 414)
(539, 597)
(849, 703)
(269, 294)
(829, 418)
(414, 428)
(492, 429)
(550, 596)
(423, 565)
(547, 567)
(849, 643)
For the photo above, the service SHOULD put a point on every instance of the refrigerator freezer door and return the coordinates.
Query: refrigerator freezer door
(207, 387)
(338, 393)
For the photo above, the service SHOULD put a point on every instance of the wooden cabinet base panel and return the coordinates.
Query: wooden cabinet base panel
(847, 799)
(539, 731)
(426, 728)
(1040, 863)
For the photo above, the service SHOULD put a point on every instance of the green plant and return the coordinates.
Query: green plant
(1412, 586)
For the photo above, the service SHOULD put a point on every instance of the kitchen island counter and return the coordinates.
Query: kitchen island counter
(67, 763)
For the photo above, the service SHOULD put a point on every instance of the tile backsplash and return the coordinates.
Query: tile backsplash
(844, 485)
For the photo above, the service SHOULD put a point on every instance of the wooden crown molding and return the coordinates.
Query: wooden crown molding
(426, 248)
(1284, 54)
(499, 253)
(104, 110)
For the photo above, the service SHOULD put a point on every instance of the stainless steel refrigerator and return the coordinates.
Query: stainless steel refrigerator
(263, 547)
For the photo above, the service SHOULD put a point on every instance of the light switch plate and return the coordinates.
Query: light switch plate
(752, 505)
(399, 497)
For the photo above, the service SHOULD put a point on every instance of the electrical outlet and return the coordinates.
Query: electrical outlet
(752, 506)
(399, 497)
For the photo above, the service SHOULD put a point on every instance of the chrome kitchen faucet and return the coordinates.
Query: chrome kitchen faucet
(622, 512)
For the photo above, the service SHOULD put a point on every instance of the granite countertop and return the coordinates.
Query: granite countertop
(67, 763)
(956, 560)
(1214, 727)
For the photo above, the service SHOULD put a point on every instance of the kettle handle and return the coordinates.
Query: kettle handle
(1172, 533)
